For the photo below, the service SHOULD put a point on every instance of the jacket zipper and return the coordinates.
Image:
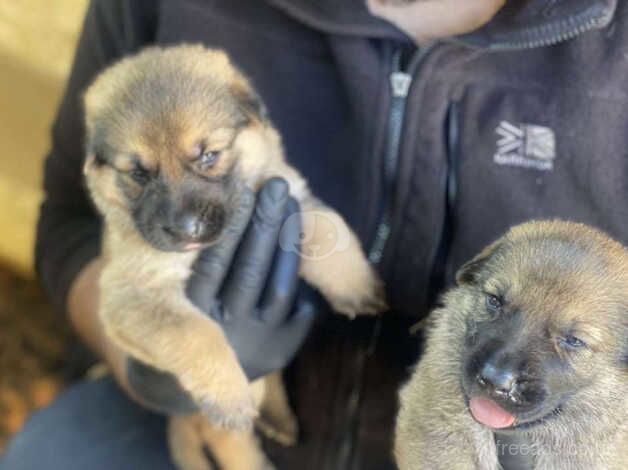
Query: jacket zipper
(560, 36)
(561, 32)
(400, 80)
(399, 83)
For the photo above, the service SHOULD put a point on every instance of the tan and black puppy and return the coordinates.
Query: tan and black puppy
(174, 134)
(531, 344)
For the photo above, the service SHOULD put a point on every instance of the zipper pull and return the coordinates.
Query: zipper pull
(400, 84)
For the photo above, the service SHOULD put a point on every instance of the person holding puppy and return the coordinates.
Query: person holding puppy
(432, 126)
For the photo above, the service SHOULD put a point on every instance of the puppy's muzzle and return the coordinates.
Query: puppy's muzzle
(499, 382)
(194, 227)
(505, 381)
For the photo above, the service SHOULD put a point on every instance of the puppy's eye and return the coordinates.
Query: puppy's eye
(494, 304)
(571, 342)
(207, 160)
(139, 175)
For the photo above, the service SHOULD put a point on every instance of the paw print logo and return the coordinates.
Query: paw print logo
(322, 234)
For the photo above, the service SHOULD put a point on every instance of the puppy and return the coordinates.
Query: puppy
(173, 135)
(530, 347)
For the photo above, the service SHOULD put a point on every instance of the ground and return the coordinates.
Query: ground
(32, 351)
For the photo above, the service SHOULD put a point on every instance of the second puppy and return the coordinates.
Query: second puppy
(530, 348)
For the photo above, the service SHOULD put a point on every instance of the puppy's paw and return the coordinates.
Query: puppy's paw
(186, 443)
(236, 416)
(282, 429)
(224, 398)
(352, 307)
(267, 465)
(368, 298)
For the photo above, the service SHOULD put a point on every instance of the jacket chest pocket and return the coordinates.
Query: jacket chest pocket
(535, 154)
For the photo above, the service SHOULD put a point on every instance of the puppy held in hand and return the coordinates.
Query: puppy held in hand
(174, 135)
(530, 348)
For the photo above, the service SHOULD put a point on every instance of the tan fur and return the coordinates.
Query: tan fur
(143, 305)
(232, 449)
(435, 430)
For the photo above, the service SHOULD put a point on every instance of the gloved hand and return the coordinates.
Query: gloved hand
(247, 284)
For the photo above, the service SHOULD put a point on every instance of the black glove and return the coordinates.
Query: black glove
(248, 284)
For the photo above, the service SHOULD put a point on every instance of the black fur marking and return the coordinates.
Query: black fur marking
(251, 103)
(623, 359)
(97, 144)
(469, 272)
(99, 160)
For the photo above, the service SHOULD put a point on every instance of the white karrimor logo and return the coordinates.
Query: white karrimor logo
(525, 145)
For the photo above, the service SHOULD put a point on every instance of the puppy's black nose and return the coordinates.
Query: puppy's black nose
(497, 380)
(188, 227)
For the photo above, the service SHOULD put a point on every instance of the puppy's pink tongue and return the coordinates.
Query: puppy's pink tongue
(490, 413)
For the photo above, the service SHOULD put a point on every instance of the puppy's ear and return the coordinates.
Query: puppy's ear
(470, 271)
(249, 100)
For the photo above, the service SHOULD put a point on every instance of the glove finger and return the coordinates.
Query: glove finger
(246, 279)
(210, 269)
(281, 287)
(300, 324)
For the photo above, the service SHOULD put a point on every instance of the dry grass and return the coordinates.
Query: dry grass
(32, 351)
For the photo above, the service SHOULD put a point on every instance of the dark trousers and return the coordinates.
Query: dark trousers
(91, 426)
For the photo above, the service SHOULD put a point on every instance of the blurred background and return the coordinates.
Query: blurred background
(37, 40)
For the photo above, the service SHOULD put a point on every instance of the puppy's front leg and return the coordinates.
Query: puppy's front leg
(332, 259)
(276, 419)
(188, 436)
(166, 331)
(334, 262)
